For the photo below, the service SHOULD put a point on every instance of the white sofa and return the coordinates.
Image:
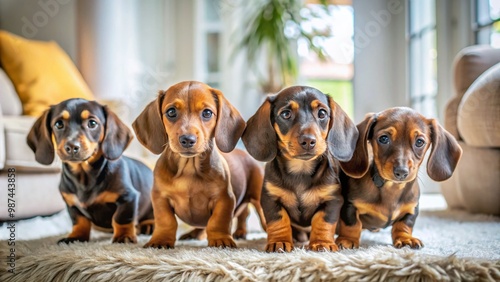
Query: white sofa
(36, 186)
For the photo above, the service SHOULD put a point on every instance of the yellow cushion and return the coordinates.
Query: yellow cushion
(42, 73)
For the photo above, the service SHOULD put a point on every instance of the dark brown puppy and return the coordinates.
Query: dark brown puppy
(382, 190)
(301, 132)
(192, 179)
(97, 184)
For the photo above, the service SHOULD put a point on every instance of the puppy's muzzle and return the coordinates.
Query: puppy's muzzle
(187, 141)
(307, 141)
(401, 172)
(72, 148)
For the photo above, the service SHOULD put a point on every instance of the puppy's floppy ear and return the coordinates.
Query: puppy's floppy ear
(359, 163)
(259, 136)
(117, 136)
(148, 126)
(343, 133)
(230, 124)
(40, 139)
(445, 153)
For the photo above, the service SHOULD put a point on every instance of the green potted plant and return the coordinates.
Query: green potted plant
(270, 29)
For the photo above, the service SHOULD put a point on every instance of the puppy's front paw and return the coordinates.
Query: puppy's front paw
(412, 242)
(323, 247)
(279, 247)
(125, 239)
(226, 242)
(347, 243)
(70, 240)
(240, 234)
(157, 244)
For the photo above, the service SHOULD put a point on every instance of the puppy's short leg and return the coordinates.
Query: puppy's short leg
(350, 227)
(219, 223)
(260, 213)
(146, 227)
(124, 220)
(241, 228)
(279, 228)
(402, 230)
(195, 234)
(165, 223)
(323, 226)
(81, 227)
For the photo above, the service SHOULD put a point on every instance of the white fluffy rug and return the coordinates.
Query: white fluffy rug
(458, 246)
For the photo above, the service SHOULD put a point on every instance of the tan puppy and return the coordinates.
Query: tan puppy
(192, 179)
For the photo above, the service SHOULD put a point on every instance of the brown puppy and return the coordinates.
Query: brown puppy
(300, 132)
(98, 185)
(379, 188)
(192, 179)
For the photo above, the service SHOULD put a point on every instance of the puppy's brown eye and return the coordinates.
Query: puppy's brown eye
(286, 114)
(92, 124)
(172, 113)
(420, 142)
(322, 114)
(384, 139)
(59, 124)
(206, 114)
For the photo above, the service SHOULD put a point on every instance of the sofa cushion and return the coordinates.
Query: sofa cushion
(17, 152)
(2, 142)
(469, 64)
(479, 111)
(9, 101)
(37, 194)
(42, 73)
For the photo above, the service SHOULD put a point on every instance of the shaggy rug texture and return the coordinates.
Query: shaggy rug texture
(458, 246)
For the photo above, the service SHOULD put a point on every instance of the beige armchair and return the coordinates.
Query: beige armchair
(473, 117)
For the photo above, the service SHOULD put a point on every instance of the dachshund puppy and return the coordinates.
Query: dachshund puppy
(98, 185)
(379, 187)
(188, 124)
(301, 133)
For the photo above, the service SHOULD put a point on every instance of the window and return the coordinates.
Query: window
(336, 29)
(487, 22)
(210, 29)
(423, 56)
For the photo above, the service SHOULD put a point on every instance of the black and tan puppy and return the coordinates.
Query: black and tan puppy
(188, 124)
(382, 190)
(99, 186)
(301, 133)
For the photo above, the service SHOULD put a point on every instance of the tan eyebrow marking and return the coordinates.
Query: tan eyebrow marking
(85, 114)
(294, 105)
(65, 114)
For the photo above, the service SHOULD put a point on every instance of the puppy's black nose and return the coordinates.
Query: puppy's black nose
(307, 141)
(187, 141)
(72, 148)
(401, 172)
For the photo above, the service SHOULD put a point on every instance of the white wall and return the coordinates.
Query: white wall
(42, 20)
(453, 34)
(380, 56)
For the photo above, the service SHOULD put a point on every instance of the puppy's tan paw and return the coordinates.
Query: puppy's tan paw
(279, 247)
(227, 242)
(157, 244)
(412, 242)
(240, 234)
(125, 239)
(323, 247)
(347, 243)
(71, 240)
